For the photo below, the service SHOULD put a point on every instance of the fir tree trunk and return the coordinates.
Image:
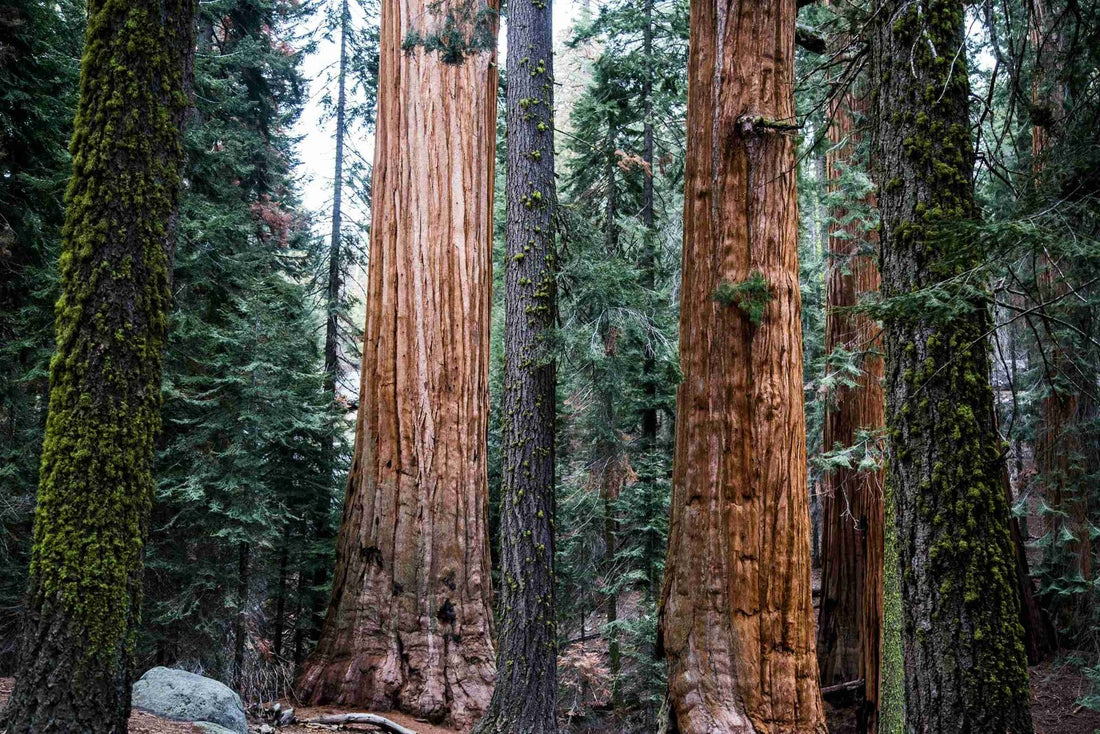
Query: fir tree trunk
(608, 455)
(280, 601)
(650, 379)
(965, 664)
(240, 624)
(409, 620)
(850, 622)
(302, 617)
(737, 622)
(332, 334)
(76, 654)
(321, 527)
(525, 695)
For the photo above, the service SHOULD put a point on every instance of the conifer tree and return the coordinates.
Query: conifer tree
(966, 667)
(737, 622)
(39, 72)
(850, 622)
(76, 656)
(525, 696)
(624, 169)
(245, 478)
(409, 619)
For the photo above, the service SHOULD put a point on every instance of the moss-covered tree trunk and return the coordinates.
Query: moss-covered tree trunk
(76, 656)
(526, 690)
(965, 665)
(409, 620)
(849, 628)
(737, 621)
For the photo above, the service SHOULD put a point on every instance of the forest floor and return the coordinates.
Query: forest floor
(142, 723)
(1055, 689)
(420, 727)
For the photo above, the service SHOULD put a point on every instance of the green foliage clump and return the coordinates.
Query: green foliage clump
(752, 296)
(459, 29)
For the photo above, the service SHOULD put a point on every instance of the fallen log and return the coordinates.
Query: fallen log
(843, 694)
(375, 719)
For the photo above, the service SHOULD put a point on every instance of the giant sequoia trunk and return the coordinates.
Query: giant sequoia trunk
(966, 669)
(849, 629)
(737, 623)
(409, 622)
(76, 655)
(526, 692)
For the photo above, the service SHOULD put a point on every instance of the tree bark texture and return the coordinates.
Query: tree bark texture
(965, 664)
(409, 621)
(1058, 449)
(240, 624)
(737, 621)
(525, 695)
(75, 665)
(849, 628)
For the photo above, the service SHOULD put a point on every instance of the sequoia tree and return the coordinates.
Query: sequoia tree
(966, 668)
(850, 625)
(96, 485)
(525, 695)
(409, 620)
(737, 622)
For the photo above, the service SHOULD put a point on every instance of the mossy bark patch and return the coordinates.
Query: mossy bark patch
(965, 666)
(96, 482)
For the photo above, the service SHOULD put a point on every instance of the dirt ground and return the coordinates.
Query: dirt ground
(420, 727)
(1055, 690)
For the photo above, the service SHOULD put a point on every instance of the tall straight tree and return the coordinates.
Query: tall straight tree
(525, 695)
(76, 656)
(966, 668)
(1059, 452)
(409, 620)
(850, 624)
(737, 621)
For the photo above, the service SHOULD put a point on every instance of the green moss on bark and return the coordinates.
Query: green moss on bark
(965, 666)
(111, 321)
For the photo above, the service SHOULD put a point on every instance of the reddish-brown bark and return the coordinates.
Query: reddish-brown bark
(1057, 441)
(850, 624)
(736, 616)
(409, 621)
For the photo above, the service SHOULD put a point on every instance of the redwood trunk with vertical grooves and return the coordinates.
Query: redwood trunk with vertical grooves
(1057, 440)
(409, 621)
(737, 621)
(849, 632)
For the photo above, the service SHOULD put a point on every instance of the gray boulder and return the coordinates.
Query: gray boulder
(182, 696)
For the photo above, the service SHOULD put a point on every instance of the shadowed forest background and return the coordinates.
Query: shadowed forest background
(988, 299)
